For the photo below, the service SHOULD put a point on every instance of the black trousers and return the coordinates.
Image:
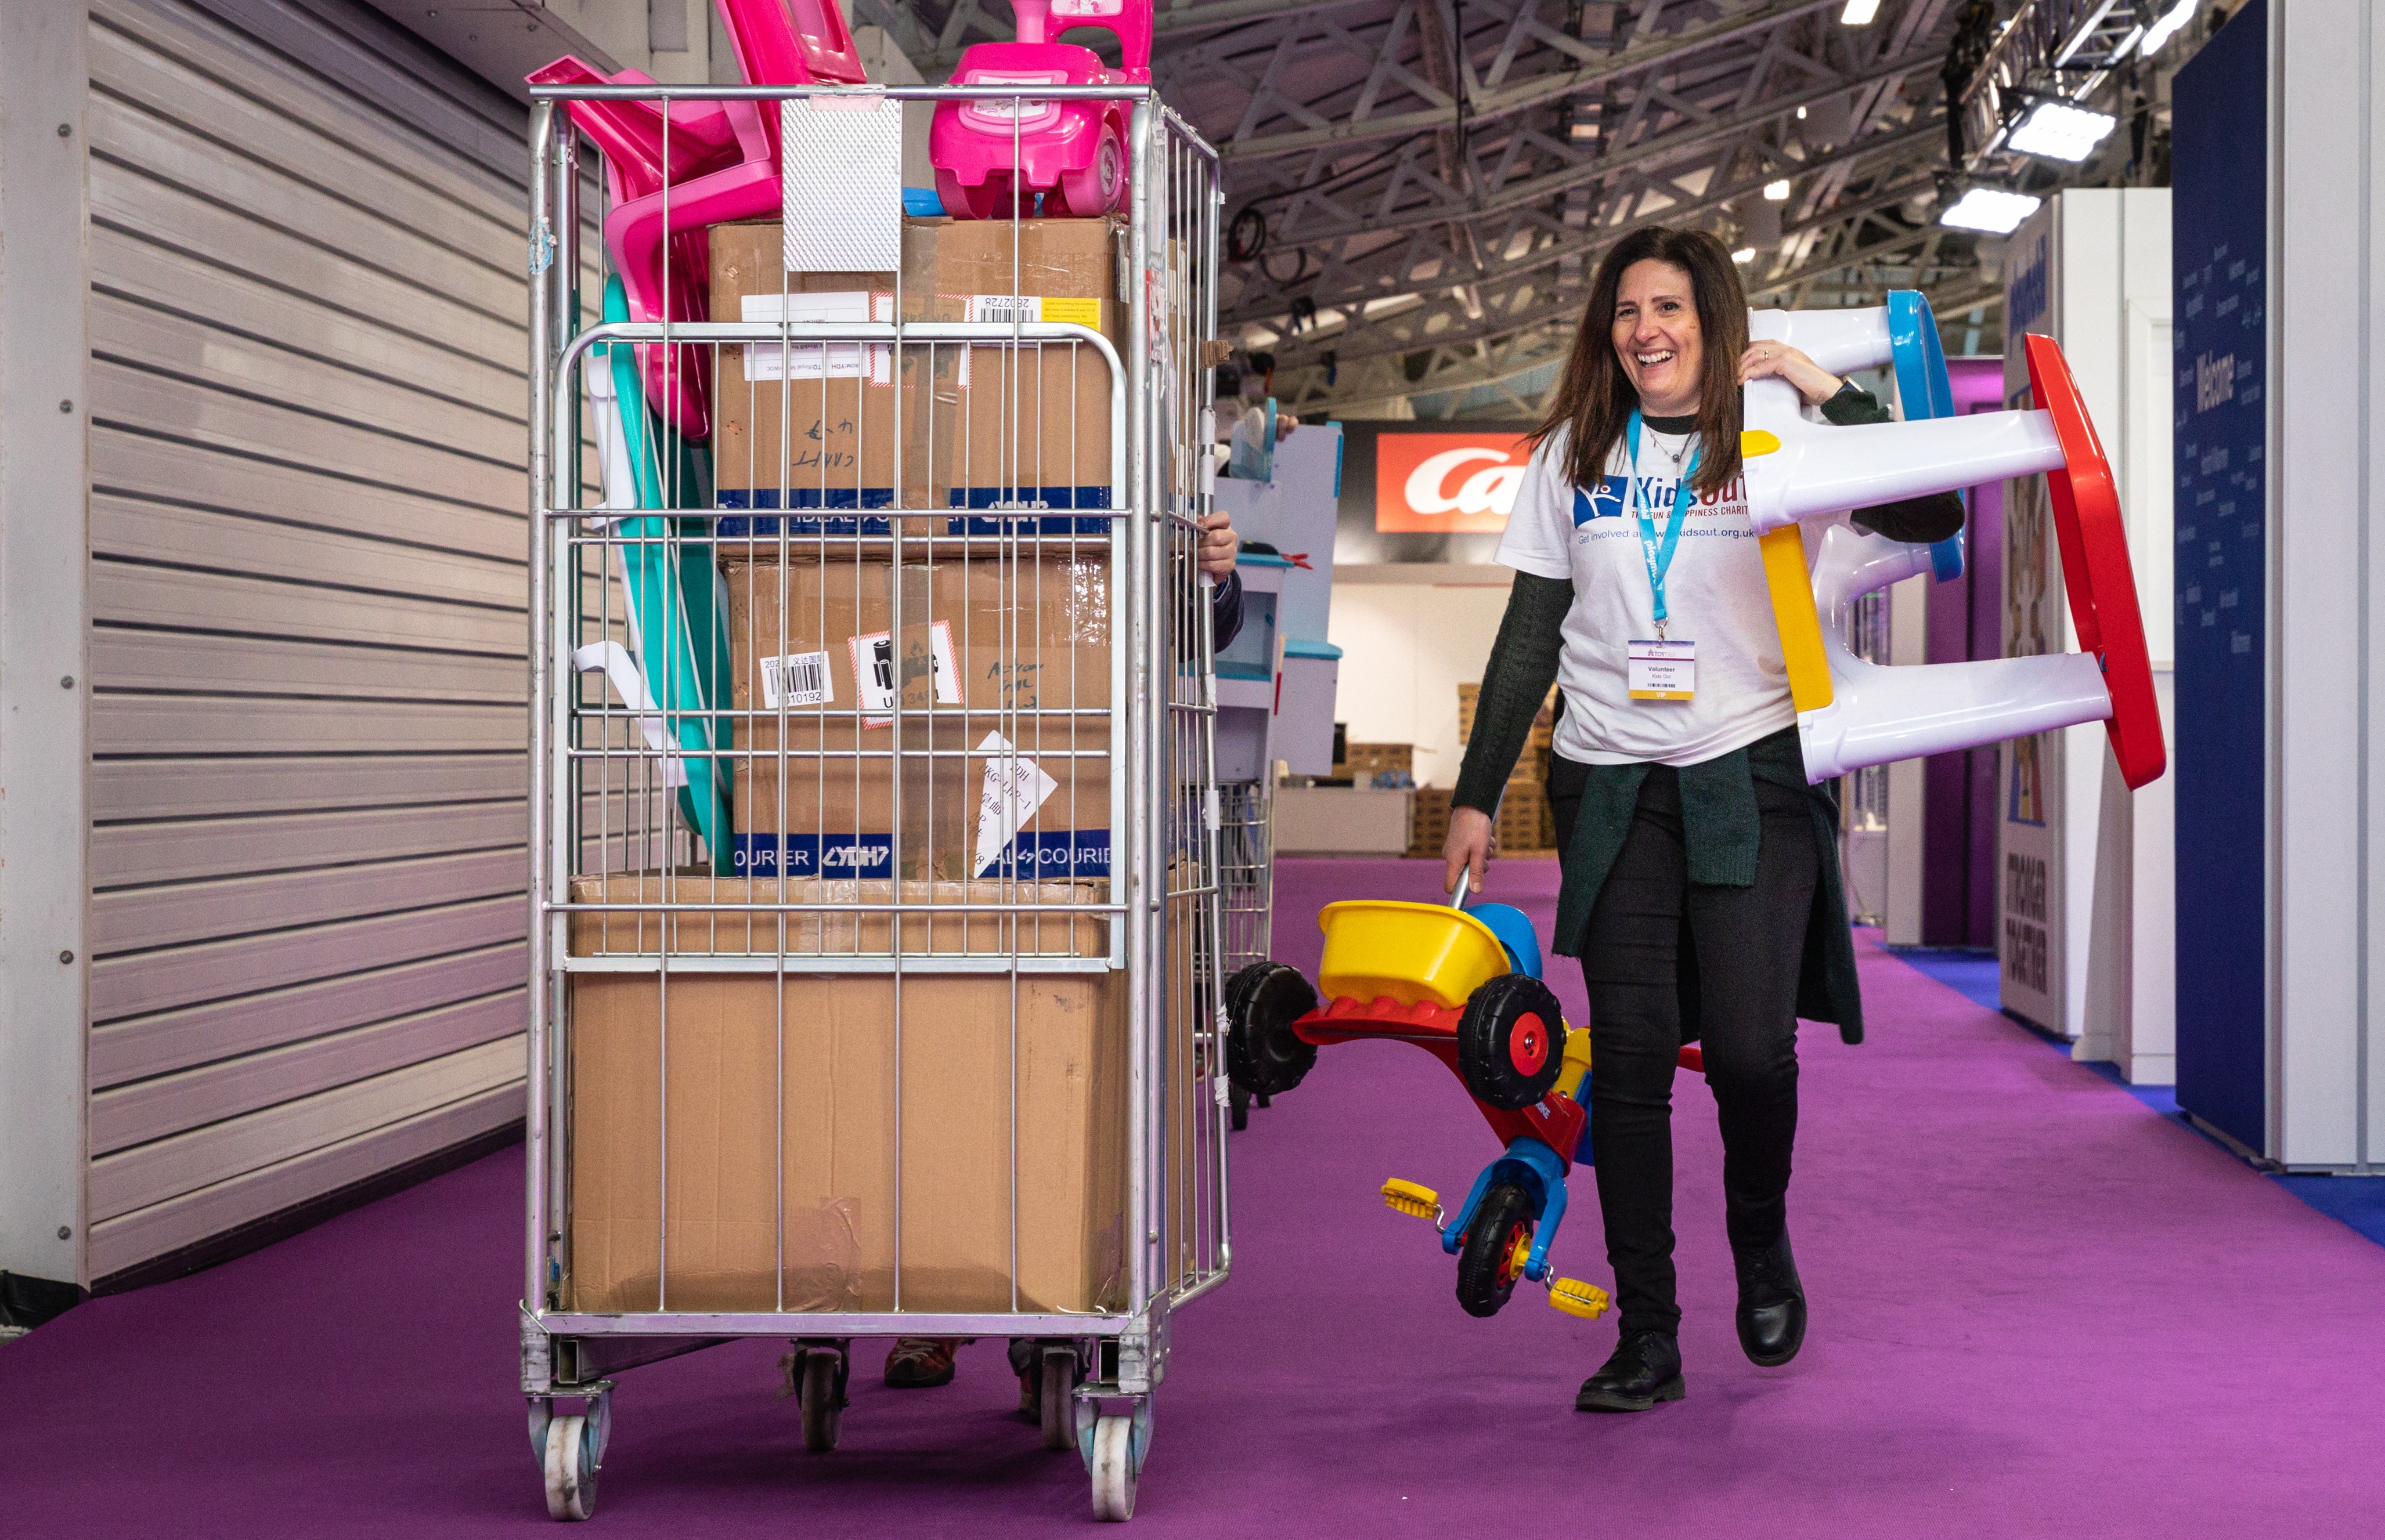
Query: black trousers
(1660, 947)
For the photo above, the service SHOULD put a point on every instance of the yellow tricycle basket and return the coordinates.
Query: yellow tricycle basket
(1408, 951)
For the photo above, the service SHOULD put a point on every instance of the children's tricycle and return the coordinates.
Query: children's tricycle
(1465, 985)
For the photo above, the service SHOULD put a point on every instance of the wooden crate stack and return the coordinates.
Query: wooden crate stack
(1428, 820)
(1365, 761)
(1525, 825)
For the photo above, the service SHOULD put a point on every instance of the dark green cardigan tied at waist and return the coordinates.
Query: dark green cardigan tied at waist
(1720, 829)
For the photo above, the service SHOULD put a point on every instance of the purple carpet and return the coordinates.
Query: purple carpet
(2039, 1309)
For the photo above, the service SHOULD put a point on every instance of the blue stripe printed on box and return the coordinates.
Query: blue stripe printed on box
(1037, 855)
(1028, 520)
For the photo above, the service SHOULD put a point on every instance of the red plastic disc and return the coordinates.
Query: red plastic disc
(2095, 568)
(1528, 1044)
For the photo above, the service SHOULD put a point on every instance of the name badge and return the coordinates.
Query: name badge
(1661, 670)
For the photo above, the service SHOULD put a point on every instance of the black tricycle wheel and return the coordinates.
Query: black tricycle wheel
(1511, 1042)
(1491, 1254)
(1262, 1055)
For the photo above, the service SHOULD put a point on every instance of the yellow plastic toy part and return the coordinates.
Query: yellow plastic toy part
(1577, 1061)
(1407, 951)
(1793, 610)
(1755, 442)
(1575, 1297)
(1409, 1197)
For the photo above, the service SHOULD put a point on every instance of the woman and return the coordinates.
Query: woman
(1701, 882)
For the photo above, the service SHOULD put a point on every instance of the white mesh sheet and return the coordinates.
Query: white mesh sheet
(842, 183)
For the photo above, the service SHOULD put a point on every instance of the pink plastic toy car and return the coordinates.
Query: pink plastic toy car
(1073, 154)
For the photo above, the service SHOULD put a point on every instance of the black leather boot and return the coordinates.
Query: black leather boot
(1771, 1304)
(1644, 1369)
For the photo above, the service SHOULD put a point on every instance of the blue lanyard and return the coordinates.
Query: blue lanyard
(1659, 556)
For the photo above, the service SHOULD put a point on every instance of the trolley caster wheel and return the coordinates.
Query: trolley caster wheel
(1491, 1254)
(1511, 1042)
(818, 1376)
(1116, 1464)
(1057, 1404)
(1237, 1104)
(570, 1468)
(1262, 1055)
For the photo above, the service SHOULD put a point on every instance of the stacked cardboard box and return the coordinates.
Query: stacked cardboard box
(1429, 821)
(780, 1116)
(1525, 825)
(1362, 762)
(968, 690)
(980, 425)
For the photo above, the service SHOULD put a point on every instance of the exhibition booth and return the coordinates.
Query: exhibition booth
(742, 720)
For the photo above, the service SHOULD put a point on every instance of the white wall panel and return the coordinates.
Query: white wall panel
(2327, 268)
(168, 1168)
(129, 789)
(170, 1104)
(118, 1243)
(222, 970)
(43, 627)
(308, 359)
(221, 1030)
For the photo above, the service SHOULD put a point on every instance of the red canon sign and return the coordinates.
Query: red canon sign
(1447, 483)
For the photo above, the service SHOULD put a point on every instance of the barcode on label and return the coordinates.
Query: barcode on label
(797, 680)
(1006, 307)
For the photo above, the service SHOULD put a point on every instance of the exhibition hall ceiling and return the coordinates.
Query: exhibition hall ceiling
(1418, 190)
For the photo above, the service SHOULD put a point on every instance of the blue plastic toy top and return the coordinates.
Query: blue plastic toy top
(1513, 930)
(1924, 391)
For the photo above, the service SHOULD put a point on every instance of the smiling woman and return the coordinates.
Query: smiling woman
(1700, 875)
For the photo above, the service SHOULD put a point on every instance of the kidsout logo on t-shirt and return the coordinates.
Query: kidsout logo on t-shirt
(1612, 498)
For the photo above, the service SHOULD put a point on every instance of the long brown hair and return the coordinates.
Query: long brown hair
(1594, 397)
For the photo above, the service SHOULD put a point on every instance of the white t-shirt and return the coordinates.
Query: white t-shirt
(1715, 596)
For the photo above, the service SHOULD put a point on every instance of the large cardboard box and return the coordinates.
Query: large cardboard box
(782, 1101)
(828, 938)
(988, 789)
(982, 426)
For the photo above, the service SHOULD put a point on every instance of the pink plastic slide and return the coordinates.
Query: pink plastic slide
(723, 166)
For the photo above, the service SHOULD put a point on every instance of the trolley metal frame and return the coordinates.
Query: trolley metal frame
(589, 767)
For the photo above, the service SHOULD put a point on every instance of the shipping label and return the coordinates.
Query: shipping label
(879, 678)
(797, 680)
(1014, 788)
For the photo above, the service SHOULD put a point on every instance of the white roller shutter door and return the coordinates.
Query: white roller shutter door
(308, 589)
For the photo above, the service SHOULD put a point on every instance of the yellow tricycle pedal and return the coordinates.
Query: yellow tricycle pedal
(1409, 1197)
(1575, 1297)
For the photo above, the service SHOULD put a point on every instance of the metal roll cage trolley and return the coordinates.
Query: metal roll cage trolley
(609, 770)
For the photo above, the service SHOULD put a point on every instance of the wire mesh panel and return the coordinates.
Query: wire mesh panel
(1246, 872)
(879, 848)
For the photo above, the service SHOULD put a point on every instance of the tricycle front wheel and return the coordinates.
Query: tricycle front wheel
(1491, 1255)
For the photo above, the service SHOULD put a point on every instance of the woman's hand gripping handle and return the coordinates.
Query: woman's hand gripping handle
(1468, 849)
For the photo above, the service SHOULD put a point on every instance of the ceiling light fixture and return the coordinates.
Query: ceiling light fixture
(1859, 13)
(2173, 22)
(2057, 130)
(1745, 253)
(1777, 192)
(1985, 209)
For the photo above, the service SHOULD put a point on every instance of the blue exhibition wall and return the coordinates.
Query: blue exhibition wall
(2219, 232)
